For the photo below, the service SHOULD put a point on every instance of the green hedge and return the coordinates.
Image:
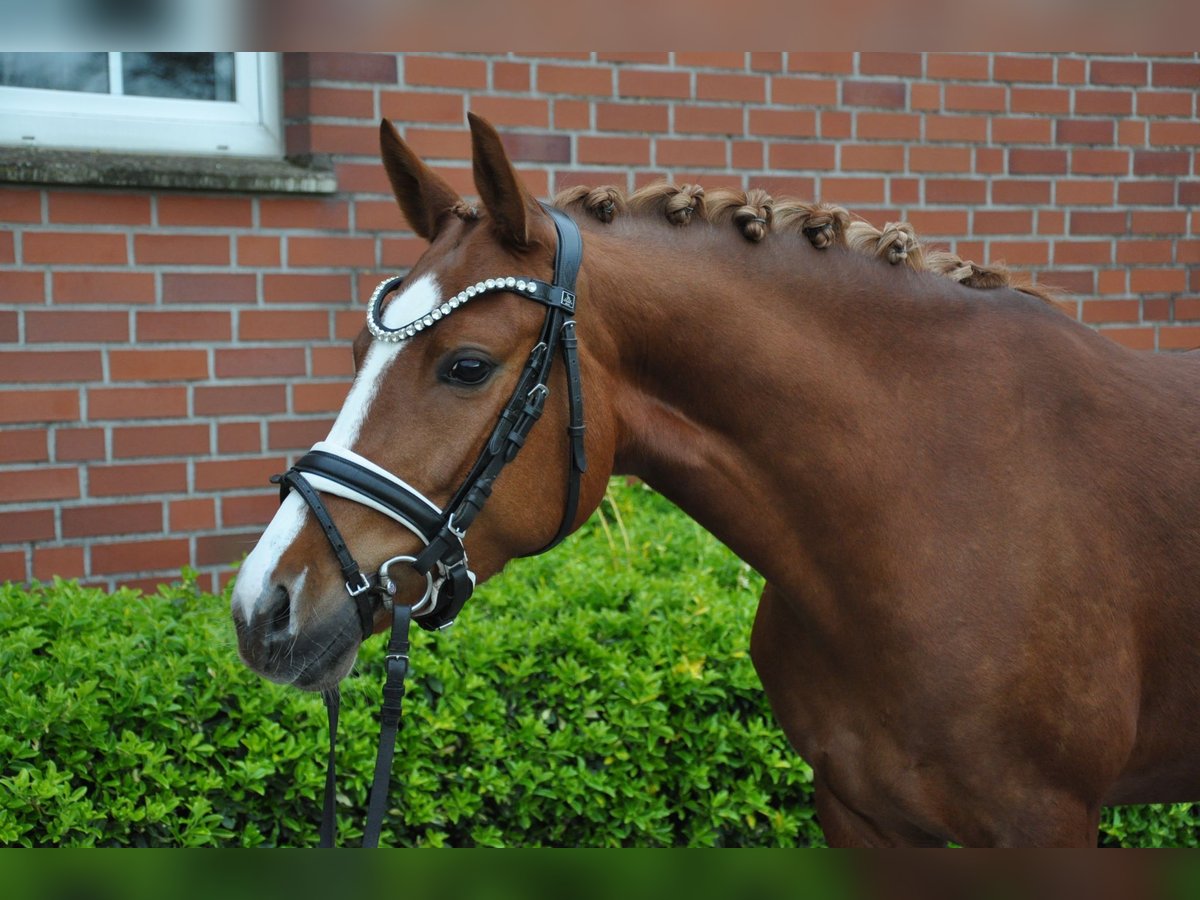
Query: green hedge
(600, 695)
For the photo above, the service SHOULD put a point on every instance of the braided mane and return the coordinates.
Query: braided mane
(755, 215)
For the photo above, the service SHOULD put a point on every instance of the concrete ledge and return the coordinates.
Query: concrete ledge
(296, 175)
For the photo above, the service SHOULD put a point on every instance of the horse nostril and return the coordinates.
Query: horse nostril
(278, 610)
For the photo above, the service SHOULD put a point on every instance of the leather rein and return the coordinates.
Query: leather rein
(330, 469)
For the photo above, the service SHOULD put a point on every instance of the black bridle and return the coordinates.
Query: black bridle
(443, 563)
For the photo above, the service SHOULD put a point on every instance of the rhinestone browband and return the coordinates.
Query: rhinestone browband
(393, 335)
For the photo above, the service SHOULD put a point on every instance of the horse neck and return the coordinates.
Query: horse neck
(746, 378)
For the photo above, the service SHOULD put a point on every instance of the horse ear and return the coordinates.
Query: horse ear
(423, 195)
(509, 204)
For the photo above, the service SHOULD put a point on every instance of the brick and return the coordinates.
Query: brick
(747, 154)
(136, 403)
(103, 519)
(21, 526)
(1083, 131)
(12, 566)
(443, 72)
(1104, 103)
(766, 61)
(401, 253)
(248, 510)
(190, 210)
(255, 362)
(304, 212)
(885, 94)
(1164, 103)
(139, 556)
(1176, 74)
(195, 514)
(887, 126)
(137, 478)
(526, 147)
(79, 444)
(874, 63)
(1071, 71)
(938, 222)
(1074, 282)
(1020, 191)
(29, 366)
(1179, 338)
(852, 190)
(1104, 72)
(1186, 309)
(1082, 253)
(231, 400)
(1021, 253)
(1023, 68)
(307, 288)
(63, 562)
(239, 437)
(10, 326)
(777, 122)
(965, 66)
(440, 143)
(373, 67)
(345, 103)
(297, 434)
(802, 156)
(1144, 252)
(510, 76)
(803, 91)
(330, 252)
(669, 152)
(25, 445)
(966, 129)
(74, 327)
(957, 191)
(697, 119)
(227, 474)
(1104, 311)
(1158, 222)
(1143, 193)
(161, 440)
(1189, 193)
(284, 325)
(515, 111)
(939, 159)
(98, 208)
(1037, 162)
(1181, 134)
(597, 80)
(42, 483)
(839, 63)
(904, 190)
(196, 287)
(29, 406)
(873, 157)
(613, 150)
(1083, 192)
(1098, 222)
(925, 97)
(332, 361)
(653, 83)
(157, 365)
(316, 397)
(75, 248)
(223, 549)
(742, 88)
(976, 97)
(20, 205)
(1003, 222)
(836, 124)
(1040, 100)
(1131, 132)
(103, 287)
(164, 325)
(22, 287)
(1145, 280)
(192, 249)
(1099, 162)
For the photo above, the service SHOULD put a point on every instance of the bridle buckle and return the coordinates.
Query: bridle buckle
(355, 590)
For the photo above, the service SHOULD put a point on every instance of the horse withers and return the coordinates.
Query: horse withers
(978, 520)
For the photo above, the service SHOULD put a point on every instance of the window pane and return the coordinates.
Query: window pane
(56, 71)
(185, 76)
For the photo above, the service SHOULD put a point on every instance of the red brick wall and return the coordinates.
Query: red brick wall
(162, 353)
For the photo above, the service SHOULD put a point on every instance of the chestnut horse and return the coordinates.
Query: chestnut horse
(978, 520)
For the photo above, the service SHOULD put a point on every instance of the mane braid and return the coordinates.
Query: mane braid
(755, 214)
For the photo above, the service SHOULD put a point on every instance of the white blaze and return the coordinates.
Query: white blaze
(257, 574)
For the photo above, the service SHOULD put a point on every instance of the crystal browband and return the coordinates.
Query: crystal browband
(529, 287)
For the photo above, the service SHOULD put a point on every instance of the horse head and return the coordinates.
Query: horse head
(439, 384)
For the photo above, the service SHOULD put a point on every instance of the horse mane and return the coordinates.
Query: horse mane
(755, 215)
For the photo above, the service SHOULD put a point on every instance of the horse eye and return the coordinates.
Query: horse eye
(470, 371)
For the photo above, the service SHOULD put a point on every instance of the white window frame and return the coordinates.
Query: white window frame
(249, 126)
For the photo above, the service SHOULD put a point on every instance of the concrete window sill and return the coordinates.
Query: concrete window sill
(295, 175)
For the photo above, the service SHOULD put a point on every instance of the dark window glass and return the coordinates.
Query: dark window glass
(56, 71)
(184, 76)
